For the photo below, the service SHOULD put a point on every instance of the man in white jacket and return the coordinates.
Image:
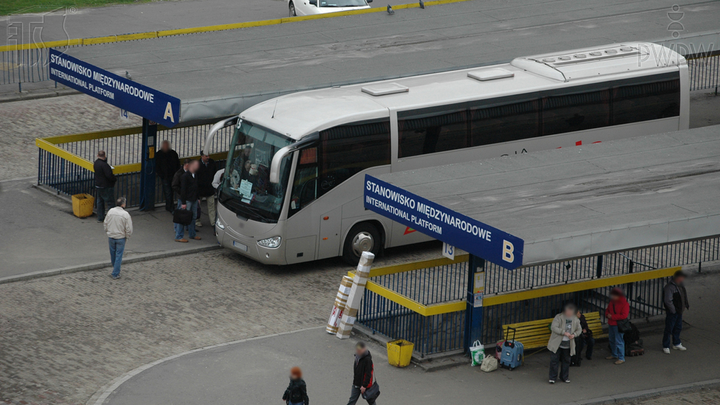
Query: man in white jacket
(119, 228)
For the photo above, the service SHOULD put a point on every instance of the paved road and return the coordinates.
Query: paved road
(64, 337)
(46, 235)
(130, 18)
(254, 372)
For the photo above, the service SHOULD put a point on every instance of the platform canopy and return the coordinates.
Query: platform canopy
(218, 74)
(578, 201)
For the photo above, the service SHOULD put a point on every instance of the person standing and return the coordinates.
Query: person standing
(584, 339)
(676, 302)
(563, 330)
(363, 374)
(617, 310)
(206, 174)
(104, 184)
(167, 163)
(188, 201)
(119, 228)
(296, 392)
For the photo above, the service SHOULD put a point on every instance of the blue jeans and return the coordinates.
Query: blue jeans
(617, 343)
(105, 196)
(117, 247)
(180, 229)
(673, 327)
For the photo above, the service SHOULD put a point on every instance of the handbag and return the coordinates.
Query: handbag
(182, 217)
(624, 326)
(372, 393)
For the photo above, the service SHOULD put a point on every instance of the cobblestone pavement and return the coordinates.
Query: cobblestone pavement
(709, 396)
(62, 338)
(23, 121)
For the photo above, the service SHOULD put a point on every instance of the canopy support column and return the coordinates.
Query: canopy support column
(475, 292)
(147, 171)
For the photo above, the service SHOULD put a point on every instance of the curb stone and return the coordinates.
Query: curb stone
(105, 264)
(645, 394)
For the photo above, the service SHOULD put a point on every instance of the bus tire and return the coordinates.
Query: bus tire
(291, 9)
(362, 237)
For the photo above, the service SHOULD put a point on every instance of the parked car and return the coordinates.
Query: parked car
(312, 7)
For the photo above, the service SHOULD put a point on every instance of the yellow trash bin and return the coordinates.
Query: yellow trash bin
(400, 352)
(83, 205)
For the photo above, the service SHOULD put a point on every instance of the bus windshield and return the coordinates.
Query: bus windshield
(246, 189)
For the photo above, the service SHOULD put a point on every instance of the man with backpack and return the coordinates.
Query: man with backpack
(676, 302)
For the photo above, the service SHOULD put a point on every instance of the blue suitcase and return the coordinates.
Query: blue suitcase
(512, 351)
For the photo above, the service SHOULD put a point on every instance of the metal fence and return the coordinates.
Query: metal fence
(24, 66)
(427, 286)
(443, 284)
(704, 73)
(65, 162)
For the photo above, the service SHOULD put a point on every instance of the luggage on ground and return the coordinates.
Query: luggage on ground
(633, 343)
(477, 353)
(489, 364)
(512, 351)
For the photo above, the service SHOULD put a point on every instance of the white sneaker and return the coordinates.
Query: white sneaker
(666, 351)
(680, 347)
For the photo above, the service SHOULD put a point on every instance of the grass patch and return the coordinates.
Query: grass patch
(8, 7)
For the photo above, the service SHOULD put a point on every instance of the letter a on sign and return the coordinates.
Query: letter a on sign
(508, 250)
(169, 113)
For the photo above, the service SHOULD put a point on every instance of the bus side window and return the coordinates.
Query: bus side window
(305, 184)
(348, 149)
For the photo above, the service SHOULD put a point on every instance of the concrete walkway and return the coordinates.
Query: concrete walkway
(43, 234)
(255, 371)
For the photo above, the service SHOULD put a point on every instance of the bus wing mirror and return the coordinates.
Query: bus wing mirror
(284, 152)
(216, 127)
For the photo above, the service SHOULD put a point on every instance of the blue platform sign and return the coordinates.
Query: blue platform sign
(113, 89)
(443, 224)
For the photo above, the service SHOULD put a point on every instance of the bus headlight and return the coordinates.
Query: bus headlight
(220, 225)
(271, 243)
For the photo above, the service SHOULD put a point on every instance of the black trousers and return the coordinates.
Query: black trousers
(560, 358)
(580, 343)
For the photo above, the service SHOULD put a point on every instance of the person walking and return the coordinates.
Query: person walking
(563, 330)
(618, 310)
(581, 341)
(296, 392)
(676, 302)
(188, 201)
(363, 374)
(167, 163)
(104, 184)
(119, 228)
(205, 176)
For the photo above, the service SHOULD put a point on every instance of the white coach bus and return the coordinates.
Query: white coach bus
(293, 183)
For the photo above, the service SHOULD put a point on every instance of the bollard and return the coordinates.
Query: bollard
(356, 292)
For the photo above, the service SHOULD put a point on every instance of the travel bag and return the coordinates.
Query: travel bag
(182, 217)
(512, 354)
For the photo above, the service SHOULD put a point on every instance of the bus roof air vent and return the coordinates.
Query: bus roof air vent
(383, 89)
(490, 74)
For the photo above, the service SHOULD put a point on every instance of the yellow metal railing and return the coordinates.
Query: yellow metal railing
(491, 300)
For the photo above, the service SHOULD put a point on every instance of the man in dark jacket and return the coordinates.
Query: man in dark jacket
(178, 176)
(363, 374)
(167, 163)
(676, 302)
(188, 201)
(206, 173)
(104, 185)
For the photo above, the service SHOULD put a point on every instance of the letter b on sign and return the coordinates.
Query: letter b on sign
(508, 250)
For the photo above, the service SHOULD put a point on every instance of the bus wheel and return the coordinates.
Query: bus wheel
(363, 237)
(291, 10)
